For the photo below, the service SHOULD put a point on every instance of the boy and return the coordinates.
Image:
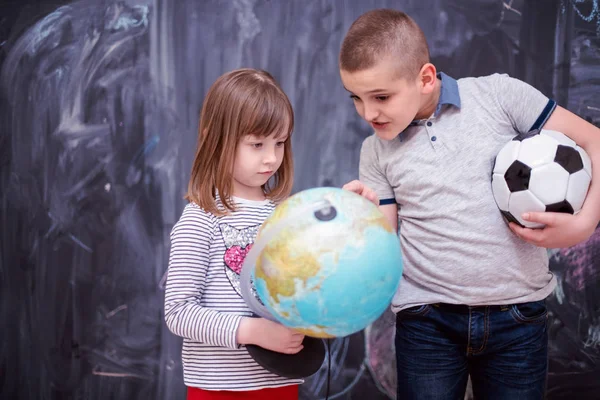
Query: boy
(472, 297)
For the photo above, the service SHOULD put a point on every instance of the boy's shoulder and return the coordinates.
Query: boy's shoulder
(484, 81)
(491, 83)
(489, 77)
(500, 93)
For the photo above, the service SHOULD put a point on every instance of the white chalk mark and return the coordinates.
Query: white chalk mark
(116, 310)
(593, 339)
(96, 371)
(163, 282)
(247, 20)
(509, 7)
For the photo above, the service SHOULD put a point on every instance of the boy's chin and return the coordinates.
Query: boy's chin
(387, 134)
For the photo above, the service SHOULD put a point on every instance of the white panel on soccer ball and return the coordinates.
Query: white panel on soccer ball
(522, 202)
(549, 183)
(537, 150)
(577, 190)
(559, 137)
(506, 156)
(587, 163)
(501, 191)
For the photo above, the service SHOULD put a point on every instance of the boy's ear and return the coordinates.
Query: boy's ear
(428, 78)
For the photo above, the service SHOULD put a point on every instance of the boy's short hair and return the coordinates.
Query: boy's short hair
(380, 33)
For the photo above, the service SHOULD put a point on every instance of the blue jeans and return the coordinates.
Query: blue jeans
(503, 348)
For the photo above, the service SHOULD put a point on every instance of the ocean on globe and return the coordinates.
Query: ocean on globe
(326, 263)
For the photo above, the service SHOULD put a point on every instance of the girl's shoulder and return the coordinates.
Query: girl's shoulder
(193, 210)
(196, 218)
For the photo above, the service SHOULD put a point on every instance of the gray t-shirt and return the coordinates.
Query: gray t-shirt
(456, 246)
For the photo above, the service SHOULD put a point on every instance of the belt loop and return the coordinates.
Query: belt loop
(504, 308)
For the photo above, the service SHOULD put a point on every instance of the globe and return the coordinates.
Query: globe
(326, 263)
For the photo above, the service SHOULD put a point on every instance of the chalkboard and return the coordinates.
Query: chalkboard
(99, 105)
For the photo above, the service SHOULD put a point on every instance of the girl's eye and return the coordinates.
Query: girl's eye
(257, 145)
(280, 144)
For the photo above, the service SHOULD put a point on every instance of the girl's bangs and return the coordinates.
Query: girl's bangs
(272, 115)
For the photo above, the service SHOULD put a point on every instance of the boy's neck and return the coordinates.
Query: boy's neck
(431, 102)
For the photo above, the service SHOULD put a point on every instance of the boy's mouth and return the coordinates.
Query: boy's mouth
(379, 125)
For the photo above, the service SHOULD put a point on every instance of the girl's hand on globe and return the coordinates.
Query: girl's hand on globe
(360, 188)
(269, 335)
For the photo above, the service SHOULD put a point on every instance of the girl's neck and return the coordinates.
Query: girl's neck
(248, 192)
(252, 202)
(250, 195)
(240, 198)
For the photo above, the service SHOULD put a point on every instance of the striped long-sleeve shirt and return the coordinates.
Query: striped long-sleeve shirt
(203, 303)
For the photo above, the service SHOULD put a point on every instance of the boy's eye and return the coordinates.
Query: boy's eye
(382, 98)
(354, 97)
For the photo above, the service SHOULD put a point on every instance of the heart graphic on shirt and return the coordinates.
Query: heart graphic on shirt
(235, 256)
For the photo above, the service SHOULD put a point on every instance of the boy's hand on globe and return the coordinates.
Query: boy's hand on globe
(561, 229)
(360, 188)
(269, 335)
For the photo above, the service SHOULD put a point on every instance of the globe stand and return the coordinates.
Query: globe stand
(294, 366)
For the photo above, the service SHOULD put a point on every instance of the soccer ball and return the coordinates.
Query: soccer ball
(542, 170)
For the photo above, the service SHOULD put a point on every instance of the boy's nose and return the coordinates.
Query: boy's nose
(371, 113)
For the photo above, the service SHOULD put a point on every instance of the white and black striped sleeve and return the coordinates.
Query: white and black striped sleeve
(188, 263)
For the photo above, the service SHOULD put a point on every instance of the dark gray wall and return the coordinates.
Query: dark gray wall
(99, 105)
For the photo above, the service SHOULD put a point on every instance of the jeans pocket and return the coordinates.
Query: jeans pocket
(416, 310)
(534, 312)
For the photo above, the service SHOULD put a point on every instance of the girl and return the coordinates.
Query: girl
(243, 166)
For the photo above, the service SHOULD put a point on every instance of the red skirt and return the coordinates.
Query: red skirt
(289, 392)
